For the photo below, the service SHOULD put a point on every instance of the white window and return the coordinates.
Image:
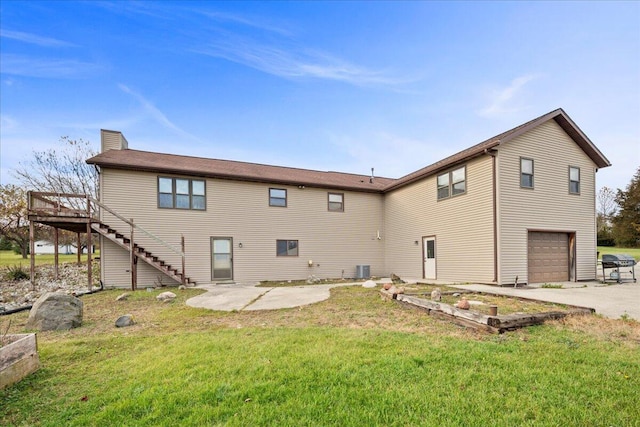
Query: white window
(278, 197)
(181, 193)
(526, 173)
(336, 202)
(452, 183)
(574, 180)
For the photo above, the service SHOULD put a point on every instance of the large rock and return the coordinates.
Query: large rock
(55, 311)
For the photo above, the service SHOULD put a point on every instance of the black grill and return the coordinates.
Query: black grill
(615, 262)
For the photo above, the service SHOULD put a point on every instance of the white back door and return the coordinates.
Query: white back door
(429, 254)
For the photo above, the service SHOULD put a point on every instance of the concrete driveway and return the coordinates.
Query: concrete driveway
(611, 300)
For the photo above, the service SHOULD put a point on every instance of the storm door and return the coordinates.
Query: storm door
(221, 258)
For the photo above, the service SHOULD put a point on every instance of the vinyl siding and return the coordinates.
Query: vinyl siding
(548, 206)
(462, 225)
(335, 241)
(112, 140)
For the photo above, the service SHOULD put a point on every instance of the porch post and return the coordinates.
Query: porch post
(132, 261)
(79, 249)
(55, 252)
(89, 266)
(184, 273)
(32, 235)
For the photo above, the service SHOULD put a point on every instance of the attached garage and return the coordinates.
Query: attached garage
(549, 257)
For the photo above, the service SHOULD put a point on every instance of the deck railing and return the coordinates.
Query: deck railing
(52, 204)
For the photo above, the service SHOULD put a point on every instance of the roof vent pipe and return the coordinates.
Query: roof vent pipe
(371, 179)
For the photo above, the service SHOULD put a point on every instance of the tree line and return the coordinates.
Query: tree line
(618, 217)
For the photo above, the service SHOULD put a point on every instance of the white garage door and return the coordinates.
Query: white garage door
(548, 257)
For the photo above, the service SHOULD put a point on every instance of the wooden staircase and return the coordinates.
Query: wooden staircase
(141, 253)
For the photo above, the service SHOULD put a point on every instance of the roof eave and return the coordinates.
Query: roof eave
(238, 177)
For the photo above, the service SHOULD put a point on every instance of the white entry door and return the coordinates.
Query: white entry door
(429, 254)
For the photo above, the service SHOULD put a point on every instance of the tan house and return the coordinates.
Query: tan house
(519, 207)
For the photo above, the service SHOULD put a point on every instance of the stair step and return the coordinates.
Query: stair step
(145, 254)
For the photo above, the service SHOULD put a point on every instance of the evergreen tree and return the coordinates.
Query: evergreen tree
(626, 225)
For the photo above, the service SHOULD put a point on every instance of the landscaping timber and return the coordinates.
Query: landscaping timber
(475, 320)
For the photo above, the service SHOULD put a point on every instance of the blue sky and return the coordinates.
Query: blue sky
(342, 86)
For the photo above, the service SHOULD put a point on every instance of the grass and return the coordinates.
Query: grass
(10, 258)
(349, 361)
(634, 252)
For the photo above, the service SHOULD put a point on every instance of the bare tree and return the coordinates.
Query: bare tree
(62, 170)
(606, 200)
(14, 222)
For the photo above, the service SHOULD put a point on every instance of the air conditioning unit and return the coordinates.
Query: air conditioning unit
(363, 271)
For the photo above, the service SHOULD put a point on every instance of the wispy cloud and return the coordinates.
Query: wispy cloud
(34, 39)
(8, 123)
(252, 22)
(294, 63)
(504, 100)
(27, 66)
(154, 113)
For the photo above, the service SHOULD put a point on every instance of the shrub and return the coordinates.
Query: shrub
(17, 272)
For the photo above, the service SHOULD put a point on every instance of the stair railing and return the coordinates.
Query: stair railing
(133, 225)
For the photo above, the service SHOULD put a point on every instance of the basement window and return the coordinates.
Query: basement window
(452, 183)
(181, 193)
(286, 247)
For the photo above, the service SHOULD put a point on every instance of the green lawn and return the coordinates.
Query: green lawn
(353, 360)
(634, 252)
(10, 258)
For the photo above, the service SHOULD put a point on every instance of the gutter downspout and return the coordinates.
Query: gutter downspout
(493, 153)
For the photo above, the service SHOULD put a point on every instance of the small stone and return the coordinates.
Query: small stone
(122, 297)
(436, 295)
(182, 287)
(369, 284)
(123, 321)
(457, 294)
(463, 304)
(166, 296)
(387, 286)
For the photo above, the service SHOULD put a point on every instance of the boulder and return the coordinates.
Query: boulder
(55, 311)
(123, 321)
(369, 284)
(166, 296)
